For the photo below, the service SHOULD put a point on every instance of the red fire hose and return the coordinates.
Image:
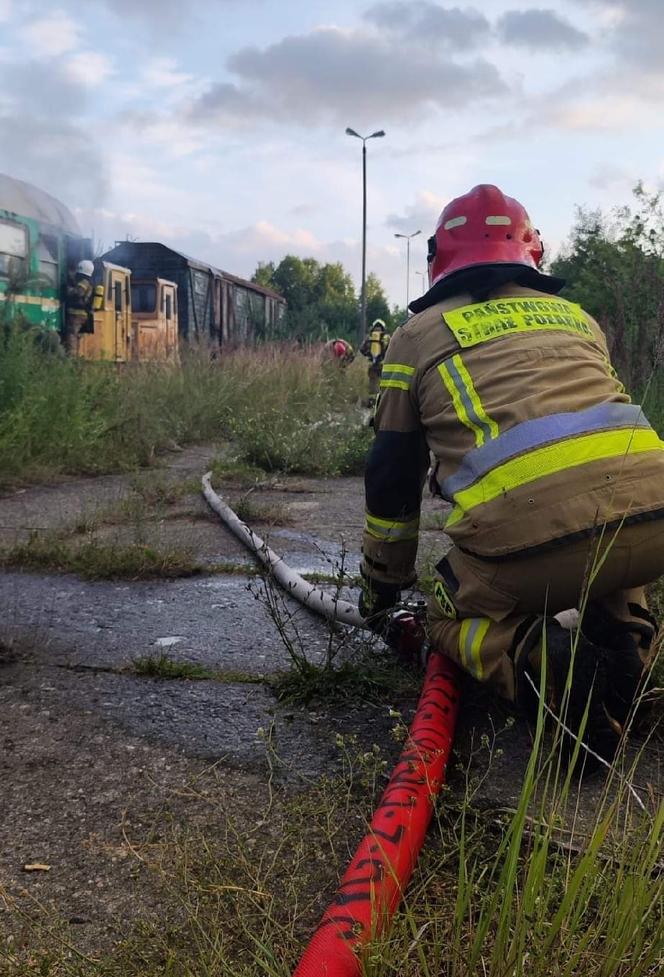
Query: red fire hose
(377, 876)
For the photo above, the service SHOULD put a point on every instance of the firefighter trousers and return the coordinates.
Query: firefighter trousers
(478, 606)
(373, 373)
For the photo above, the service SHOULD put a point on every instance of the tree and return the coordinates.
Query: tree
(614, 267)
(377, 307)
(321, 297)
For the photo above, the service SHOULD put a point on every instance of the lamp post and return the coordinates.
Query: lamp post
(421, 274)
(363, 300)
(408, 237)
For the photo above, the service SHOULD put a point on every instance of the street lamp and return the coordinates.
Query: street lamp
(408, 237)
(422, 276)
(363, 301)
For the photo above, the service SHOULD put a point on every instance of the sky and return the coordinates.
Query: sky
(218, 126)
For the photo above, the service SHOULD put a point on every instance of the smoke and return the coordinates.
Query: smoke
(44, 138)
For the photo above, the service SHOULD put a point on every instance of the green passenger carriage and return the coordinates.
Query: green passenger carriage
(39, 240)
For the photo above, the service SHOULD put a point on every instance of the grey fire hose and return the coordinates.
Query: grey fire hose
(310, 596)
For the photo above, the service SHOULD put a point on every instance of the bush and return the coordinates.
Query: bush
(64, 416)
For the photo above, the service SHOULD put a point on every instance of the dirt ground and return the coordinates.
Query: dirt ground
(97, 758)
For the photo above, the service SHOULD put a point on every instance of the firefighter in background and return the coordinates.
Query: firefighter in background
(78, 304)
(338, 351)
(554, 478)
(374, 348)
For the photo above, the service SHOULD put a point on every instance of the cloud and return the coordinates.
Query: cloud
(539, 30)
(44, 140)
(425, 22)
(337, 76)
(163, 73)
(599, 113)
(610, 177)
(635, 29)
(420, 215)
(62, 160)
(53, 35)
(91, 68)
(5, 11)
(161, 16)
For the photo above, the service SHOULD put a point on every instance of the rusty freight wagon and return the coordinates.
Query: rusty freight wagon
(215, 309)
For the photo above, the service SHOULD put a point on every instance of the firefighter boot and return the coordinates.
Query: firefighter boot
(545, 640)
(630, 647)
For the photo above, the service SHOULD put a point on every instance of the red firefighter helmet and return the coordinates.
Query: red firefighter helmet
(483, 227)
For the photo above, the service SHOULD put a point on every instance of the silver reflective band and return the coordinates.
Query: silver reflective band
(536, 433)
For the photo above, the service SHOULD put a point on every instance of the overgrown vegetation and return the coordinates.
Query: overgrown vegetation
(284, 411)
(167, 668)
(614, 267)
(529, 892)
(93, 559)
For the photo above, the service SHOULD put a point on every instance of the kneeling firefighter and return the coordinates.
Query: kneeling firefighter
(556, 480)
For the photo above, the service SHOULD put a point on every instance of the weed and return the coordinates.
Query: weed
(249, 511)
(93, 560)
(494, 893)
(235, 471)
(161, 666)
(367, 678)
(157, 491)
(64, 416)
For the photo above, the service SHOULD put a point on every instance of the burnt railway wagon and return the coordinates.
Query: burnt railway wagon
(215, 308)
(39, 241)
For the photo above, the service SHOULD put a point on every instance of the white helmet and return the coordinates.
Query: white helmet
(86, 268)
(378, 323)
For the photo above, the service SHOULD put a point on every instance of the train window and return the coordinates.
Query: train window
(13, 249)
(47, 255)
(117, 291)
(143, 296)
(169, 306)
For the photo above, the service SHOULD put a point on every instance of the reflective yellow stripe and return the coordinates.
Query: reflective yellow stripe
(399, 368)
(466, 401)
(475, 398)
(392, 530)
(397, 375)
(472, 634)
(551, 460)
(485, 321)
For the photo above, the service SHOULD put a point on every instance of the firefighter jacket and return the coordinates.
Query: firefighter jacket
(375, 345)
(79, 297)
(534, 439)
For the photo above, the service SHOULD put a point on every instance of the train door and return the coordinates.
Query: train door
(170, 312)
(121, 305)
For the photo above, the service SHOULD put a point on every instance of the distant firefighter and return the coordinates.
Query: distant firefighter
(374, 348)
(78, 304)
(338, 351)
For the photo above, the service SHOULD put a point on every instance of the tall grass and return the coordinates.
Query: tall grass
(528, 893)
(281, 406)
